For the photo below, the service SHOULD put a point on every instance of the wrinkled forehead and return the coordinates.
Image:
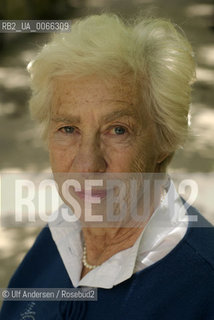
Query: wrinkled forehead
(89, 89)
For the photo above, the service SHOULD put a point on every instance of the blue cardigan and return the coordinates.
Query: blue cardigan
(180, 286)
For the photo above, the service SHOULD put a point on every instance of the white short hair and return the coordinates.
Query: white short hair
(153, 53)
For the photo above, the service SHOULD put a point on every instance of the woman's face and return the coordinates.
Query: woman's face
(99, 126)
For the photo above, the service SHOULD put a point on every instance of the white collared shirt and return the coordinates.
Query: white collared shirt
(165, 229)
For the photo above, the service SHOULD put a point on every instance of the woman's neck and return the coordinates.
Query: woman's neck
(103, 243)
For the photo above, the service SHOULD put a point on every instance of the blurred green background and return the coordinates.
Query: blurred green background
(21, 148)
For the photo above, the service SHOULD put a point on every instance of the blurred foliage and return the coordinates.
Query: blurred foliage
(34, 9)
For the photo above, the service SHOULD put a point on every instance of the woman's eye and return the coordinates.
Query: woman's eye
(119, 130)
(67, 129)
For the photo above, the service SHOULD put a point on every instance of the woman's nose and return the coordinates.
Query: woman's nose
(89, 157)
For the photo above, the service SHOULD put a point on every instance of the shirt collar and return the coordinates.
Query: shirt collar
(164, 230)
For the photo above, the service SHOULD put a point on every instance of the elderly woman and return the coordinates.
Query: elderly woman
(113, 98)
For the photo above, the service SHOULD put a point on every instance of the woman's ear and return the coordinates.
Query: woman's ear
(162, 157)
(163, 161)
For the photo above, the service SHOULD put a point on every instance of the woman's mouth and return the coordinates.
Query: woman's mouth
(88, 194)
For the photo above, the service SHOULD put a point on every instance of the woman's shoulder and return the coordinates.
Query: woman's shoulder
(200, 236)
(42, 266)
